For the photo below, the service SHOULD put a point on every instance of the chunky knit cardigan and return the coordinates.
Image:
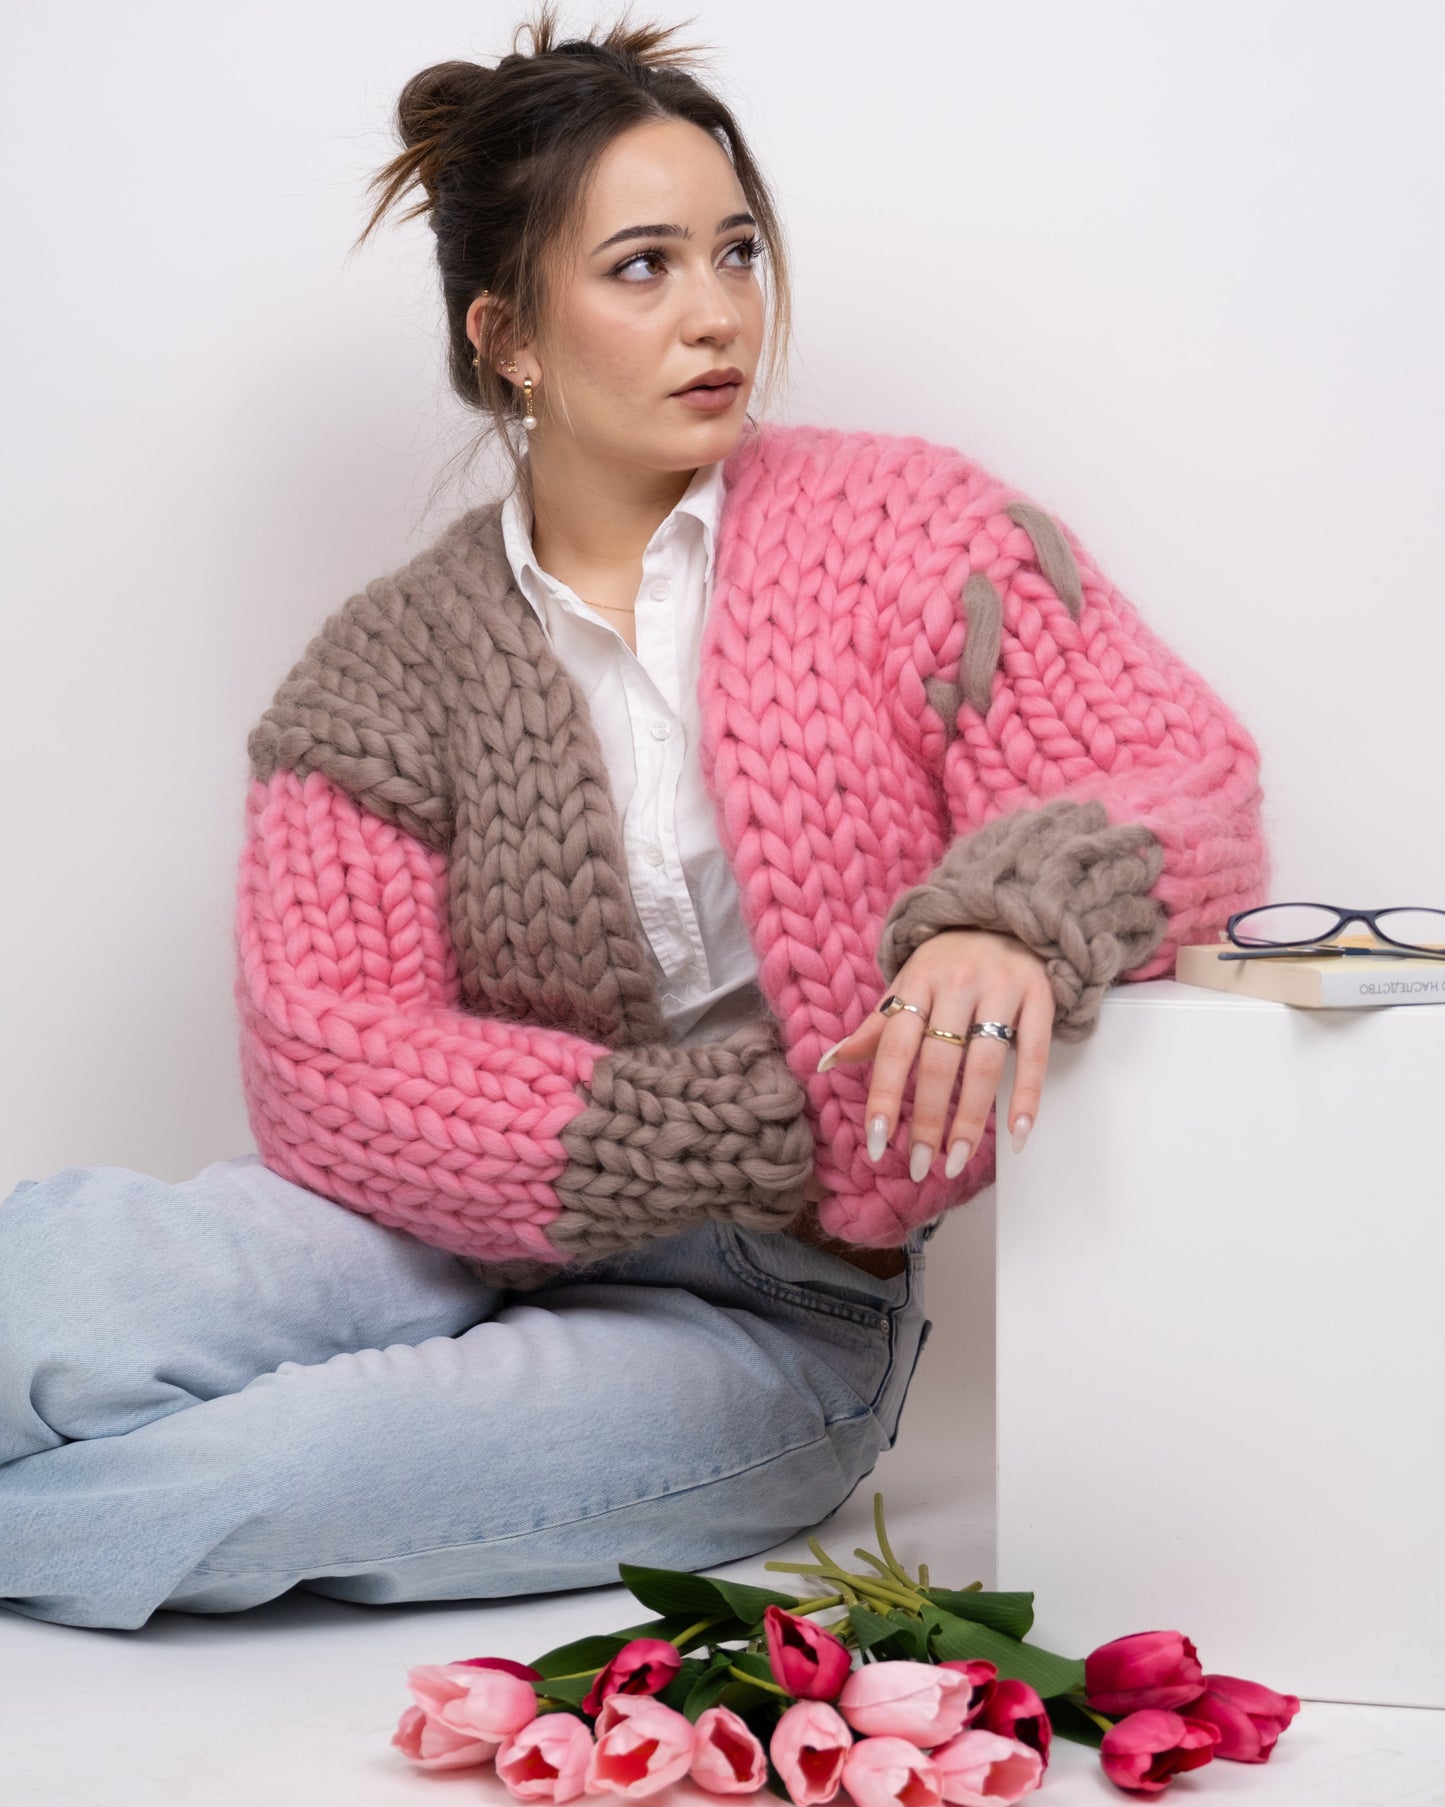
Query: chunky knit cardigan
(922, 706)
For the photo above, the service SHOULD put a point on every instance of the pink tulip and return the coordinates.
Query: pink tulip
(1148, 1669)
(726, 1757)
(806, 1659)
(645, 1666)
(644, 1748)
(1149, 1748)
(1248, 1716)
(547, 1759)
(435, 1745)
(922, 1702)
(978, 1768)
(809, 1745)
(983, 1675)
(890, 1772)
(1013, 1710)
(467, 1712)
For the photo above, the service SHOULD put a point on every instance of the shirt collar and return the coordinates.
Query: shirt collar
(702, 501)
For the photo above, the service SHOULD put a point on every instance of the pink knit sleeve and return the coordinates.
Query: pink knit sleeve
(1102, 801)
(522, 1147)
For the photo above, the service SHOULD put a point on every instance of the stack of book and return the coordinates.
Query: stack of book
(1317, 981)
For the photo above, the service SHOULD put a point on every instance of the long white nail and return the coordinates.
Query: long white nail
(877, 1138)
(957, 1159)
(1021, 1133)
(826, 1058)
(919, 1161)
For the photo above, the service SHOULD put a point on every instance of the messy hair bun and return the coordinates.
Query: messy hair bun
(503, 155)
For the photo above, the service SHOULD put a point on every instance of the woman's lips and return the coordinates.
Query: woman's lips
(709, 401)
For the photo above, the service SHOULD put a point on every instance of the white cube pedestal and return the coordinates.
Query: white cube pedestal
(1221, 1361)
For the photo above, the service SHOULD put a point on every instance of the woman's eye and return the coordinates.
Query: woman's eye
(752, 247)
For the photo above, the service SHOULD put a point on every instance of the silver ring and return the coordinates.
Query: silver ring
(1000, 1032)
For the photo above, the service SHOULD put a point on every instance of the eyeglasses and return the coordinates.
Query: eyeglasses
(1273, 931)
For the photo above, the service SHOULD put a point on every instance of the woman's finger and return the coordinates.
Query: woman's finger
(982, 1070)
(1031, 1060)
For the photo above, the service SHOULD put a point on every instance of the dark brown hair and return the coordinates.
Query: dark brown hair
(504, 155)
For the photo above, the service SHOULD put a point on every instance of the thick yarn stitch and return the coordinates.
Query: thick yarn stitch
(448, 1018)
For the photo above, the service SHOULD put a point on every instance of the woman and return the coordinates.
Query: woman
(595, 1162)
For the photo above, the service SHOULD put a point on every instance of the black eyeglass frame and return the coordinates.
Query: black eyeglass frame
(1320, 944)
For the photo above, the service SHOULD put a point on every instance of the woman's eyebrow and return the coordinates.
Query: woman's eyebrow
(733, 219)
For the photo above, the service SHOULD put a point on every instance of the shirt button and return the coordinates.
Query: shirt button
(661, 730)
(654, 856)
(660, 588)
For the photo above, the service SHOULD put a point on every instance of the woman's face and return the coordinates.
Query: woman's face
(661, 290)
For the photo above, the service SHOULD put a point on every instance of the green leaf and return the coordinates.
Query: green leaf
(676, 1591)
(708, 1690)
(1070, 1722)
(1047, 1674)
(682, 1684)
(1012, 1614)
(574, 1689)
(869, 1627)
(598, 1649)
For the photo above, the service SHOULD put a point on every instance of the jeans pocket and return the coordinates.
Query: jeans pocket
(788, 1271)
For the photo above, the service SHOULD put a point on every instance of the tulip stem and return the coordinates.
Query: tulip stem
(923, 1576)
(823, 1601)
(758, 1682)
(692, 1630)
(900, 1573)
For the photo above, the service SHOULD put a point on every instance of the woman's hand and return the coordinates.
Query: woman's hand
(957, 977)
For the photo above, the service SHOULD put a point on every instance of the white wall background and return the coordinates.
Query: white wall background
(1174, 271)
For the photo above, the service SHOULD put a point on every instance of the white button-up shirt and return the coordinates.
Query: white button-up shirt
(644, 708)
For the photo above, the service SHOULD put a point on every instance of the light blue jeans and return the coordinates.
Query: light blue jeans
(217, 1390)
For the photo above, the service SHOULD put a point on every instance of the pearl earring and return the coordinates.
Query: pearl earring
(529, 420)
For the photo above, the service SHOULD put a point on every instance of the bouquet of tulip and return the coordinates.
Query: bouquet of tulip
(737, 1689)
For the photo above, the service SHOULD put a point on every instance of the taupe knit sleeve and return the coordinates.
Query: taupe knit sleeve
(363, 705)
(1060, 878)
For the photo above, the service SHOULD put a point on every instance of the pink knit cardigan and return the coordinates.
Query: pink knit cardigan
(922, 705)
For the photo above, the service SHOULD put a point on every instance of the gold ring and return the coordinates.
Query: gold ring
(946, 1035)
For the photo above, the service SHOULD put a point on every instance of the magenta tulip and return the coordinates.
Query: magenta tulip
(980, 1768)
(1149, 1748)
(982, 1674)
(1248, 1716)
(1013, 1710)
(645, 1666)
(809, 1746)
(1147, 1669)
(806, 1659)
(922, 1702)
(641, 1751)
(546, 1760)
(523, 1671)
(726, 1756)
(890, 1772)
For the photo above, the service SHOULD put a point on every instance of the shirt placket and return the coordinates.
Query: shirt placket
(663, 902)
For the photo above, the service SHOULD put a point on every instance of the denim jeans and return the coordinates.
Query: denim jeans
(217, 1390)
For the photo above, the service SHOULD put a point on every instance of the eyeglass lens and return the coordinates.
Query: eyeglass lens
(1279, 924)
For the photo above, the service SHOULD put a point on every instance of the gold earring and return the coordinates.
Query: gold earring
(529, 420)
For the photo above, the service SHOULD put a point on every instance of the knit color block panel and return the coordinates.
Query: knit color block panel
(522, 1148)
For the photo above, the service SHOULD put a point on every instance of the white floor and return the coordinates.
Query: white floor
(293, 1704)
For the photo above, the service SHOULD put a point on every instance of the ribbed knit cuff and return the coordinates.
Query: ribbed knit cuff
(1059, 878)
(672, 1137)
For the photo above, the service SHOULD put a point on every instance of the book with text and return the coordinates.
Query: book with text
(1317, 981)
